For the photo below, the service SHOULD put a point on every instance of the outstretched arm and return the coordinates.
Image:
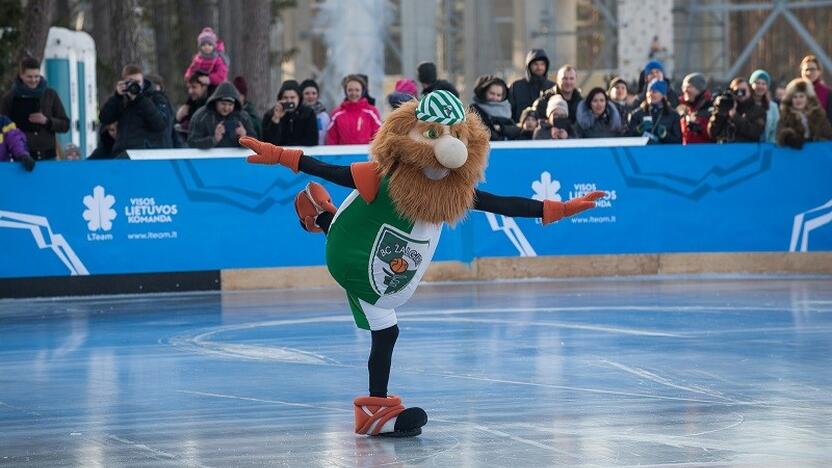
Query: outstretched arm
(295, 160)
(548, 210)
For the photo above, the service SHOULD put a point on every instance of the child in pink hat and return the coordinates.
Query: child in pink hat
(210, 58)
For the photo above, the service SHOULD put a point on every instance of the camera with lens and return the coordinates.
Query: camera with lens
(133, 87)
(724, 102)
(288, 106)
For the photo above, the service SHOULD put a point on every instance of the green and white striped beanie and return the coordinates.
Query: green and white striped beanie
(441, 107)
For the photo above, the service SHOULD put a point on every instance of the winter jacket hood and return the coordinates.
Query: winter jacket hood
(225, 91)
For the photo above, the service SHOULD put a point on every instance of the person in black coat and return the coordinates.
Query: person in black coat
(524, 91)
(290, 123)
(140, 110)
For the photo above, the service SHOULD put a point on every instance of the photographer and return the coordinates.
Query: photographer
(736, 117)
(141, 112)
(290, 123)
(695, 109)
(221, 122)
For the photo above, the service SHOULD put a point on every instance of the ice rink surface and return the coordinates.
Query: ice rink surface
(699, 371)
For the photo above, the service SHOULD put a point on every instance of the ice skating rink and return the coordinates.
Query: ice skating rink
(697, 371)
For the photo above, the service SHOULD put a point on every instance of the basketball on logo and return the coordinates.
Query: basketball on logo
(398, 265)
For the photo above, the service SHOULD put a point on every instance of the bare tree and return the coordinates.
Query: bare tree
(254, 57)
(126, 26)
(36, 27)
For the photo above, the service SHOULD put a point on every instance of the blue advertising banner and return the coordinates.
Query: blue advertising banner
(117, 217)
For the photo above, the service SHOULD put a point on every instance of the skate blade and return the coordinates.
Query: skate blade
(410, 433)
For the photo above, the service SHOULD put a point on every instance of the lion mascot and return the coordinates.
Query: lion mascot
(425, 163)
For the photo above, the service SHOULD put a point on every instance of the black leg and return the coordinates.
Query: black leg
(381, 355)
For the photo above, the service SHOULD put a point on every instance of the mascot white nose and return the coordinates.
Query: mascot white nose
(450, 152)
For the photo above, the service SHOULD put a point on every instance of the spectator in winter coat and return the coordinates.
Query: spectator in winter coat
(221, 122)
(557, 125)
(248, 106)
(426, 72)
(802, 118)
(289, 122)
(598, 117)
(13, 144)
(490, 102)
(310, 92)
(655, 118)
(654, 70)
(524, 91)
(141, 112)
(355, 121)
(620, 96)
(566, 87)
(404, 90)
(198, 86)
(209, 59)
(36, 110)
(695, 109)
(528, 124)
(744, 123)
(811, 70)
(760, 84)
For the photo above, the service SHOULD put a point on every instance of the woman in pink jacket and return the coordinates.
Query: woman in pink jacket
(355, 121)
(210, 59)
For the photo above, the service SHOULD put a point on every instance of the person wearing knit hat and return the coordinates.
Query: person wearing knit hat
(655, 118)
(657, 86)
(557, 125)
(426, 72)
(760, 82)
(620, 96)
(694, 105)
(404, 90)
(209, 58)
(654, 70)
(207, 37)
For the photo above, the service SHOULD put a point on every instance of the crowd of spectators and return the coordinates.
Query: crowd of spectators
(138, 115)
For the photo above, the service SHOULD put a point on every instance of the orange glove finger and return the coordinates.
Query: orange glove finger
(260, 159)
(251, 143)
(592, 196)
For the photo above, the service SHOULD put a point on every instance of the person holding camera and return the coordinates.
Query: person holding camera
(289, 122)
(655, 118)
(221, 121)
(736, 117)
(142, 112)
(36, 110)
(695, 109)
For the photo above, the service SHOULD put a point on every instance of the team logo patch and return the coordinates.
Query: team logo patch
(395, 261)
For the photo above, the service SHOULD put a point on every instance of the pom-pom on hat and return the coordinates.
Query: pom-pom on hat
(441, 107)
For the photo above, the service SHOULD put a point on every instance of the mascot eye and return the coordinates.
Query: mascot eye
(431, 133)
(457, 134)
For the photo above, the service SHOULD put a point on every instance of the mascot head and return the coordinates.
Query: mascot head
(434, 154)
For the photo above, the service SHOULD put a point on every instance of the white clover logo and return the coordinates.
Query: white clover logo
(99, 213)
(546, 188)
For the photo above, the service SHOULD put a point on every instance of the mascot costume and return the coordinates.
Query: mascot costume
(425, 163)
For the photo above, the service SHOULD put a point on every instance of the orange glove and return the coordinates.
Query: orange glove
(268, 153)
(555, 210)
